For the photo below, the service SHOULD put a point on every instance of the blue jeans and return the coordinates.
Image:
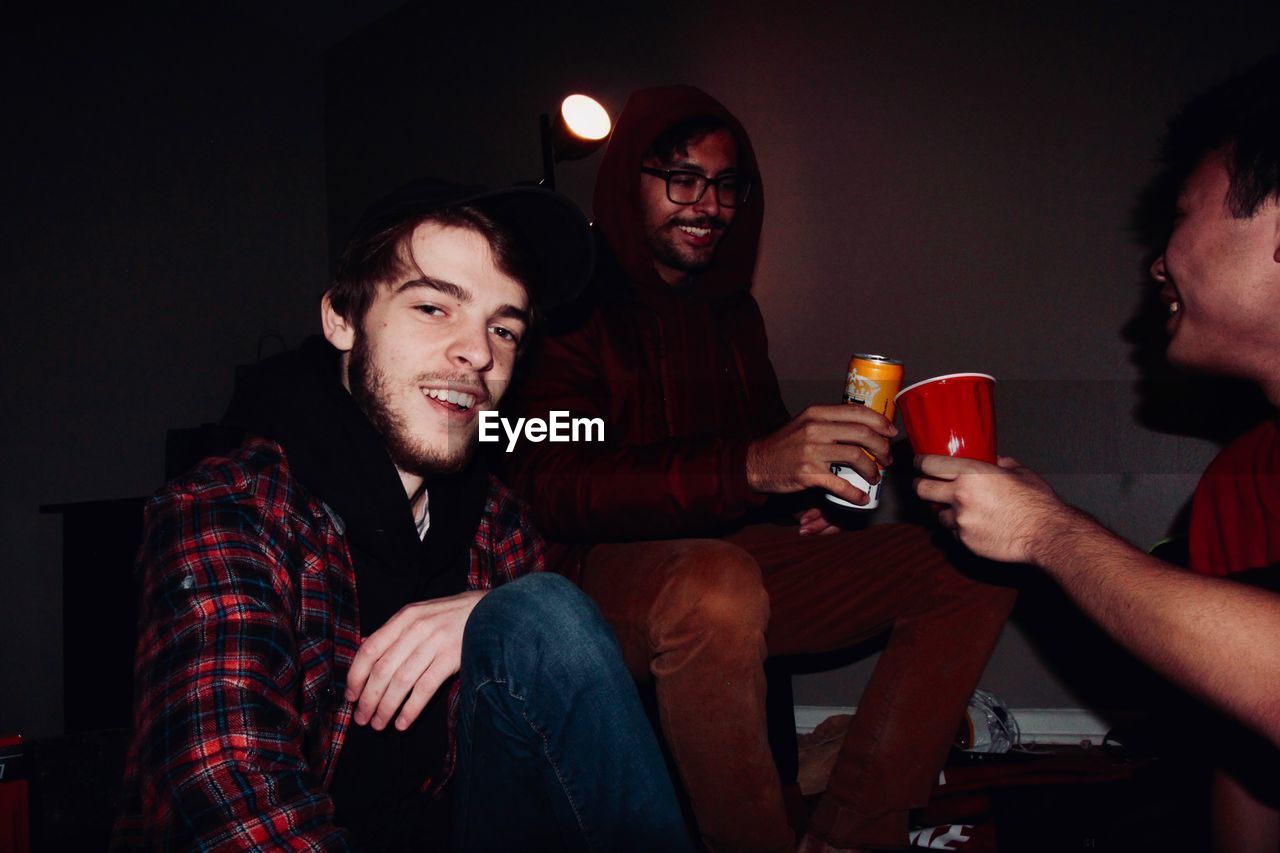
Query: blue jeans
(554, 751)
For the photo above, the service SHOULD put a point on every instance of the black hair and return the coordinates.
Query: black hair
(1241, 118)
(677, 138)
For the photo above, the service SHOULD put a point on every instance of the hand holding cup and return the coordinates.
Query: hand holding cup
(951, 415)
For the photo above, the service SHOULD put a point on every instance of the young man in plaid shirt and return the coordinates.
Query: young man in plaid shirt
(352, 562)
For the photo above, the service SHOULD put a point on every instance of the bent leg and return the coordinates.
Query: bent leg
(554, 750)
(829, 592)
(690, 615)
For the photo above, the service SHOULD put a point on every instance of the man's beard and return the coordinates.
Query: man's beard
(369, 388)
(666, 250)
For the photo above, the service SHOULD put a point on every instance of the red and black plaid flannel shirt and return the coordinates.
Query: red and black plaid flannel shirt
(248, 624)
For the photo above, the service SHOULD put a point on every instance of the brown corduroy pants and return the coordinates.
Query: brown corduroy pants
(698, 617)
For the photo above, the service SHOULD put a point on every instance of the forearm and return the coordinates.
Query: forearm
(219, 735)
(1217, 639)
(222, 756)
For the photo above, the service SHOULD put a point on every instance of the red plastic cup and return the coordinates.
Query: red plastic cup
(951, 415)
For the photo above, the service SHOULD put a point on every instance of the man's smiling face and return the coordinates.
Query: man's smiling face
(436, 347)
(1220, 277)
(683, 237)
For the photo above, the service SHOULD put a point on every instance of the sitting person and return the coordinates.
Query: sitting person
(352, 562)
(682, 527)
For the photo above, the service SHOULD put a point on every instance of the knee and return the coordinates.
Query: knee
(715, 588)
(538, 608)
(543, 623)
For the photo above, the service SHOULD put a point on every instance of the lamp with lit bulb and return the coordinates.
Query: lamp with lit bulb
(581, 126)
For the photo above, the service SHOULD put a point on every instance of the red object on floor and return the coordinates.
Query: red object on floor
(14, 803)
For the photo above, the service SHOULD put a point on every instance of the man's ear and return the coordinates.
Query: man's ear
(337, 330)
(1271, 207)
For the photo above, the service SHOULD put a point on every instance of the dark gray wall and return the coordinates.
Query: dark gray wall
(163, 206)
(951, 183)
(948, 183)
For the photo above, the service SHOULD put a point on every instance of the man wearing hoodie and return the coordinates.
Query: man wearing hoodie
(352, 562)
(679, 524)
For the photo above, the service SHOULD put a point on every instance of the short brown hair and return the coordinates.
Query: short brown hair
(373, 258)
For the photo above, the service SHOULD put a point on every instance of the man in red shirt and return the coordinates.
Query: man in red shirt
(1220, 277)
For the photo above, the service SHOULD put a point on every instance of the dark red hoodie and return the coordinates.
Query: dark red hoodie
(680, 376)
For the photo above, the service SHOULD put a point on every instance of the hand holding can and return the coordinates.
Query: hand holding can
(872, 381)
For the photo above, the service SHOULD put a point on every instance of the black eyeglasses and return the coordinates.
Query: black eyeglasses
(689, 187)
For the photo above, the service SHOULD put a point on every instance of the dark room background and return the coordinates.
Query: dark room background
(950, 183)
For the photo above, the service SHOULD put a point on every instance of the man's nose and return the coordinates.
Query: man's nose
(709, 204)
(1158, 271)
(471, 348)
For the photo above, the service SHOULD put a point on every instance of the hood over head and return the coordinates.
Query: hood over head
(616, 202)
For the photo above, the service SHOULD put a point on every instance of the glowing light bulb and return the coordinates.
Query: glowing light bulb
(584, 117)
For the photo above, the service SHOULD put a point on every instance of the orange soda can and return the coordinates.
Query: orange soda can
(872, 381)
